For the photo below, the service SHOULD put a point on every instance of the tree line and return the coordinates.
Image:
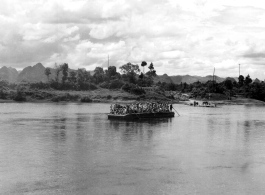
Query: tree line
(230, 88)
(129, 78)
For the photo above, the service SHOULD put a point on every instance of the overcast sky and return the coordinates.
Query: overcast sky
(179, 37)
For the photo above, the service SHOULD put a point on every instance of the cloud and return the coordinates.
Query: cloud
(247, 16)
(179, 37)
(254, 55)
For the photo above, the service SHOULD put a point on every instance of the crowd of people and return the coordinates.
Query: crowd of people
(150, 107)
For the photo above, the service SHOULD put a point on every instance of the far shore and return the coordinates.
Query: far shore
(235, 101)
(115, 96)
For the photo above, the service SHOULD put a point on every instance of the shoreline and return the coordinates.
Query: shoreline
(241, 101)
(93, 101)
(114, 96)
(235, 101)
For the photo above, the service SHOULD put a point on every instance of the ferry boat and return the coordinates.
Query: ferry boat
(136, 116)
(141, 110)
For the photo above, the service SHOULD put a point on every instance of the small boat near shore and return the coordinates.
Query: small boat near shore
(136, 116)
(201, 104)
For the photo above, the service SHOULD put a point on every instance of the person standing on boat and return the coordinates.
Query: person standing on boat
(127, 109)
(111, 109)
(170, 107)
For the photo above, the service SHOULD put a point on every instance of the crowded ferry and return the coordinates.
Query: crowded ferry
(141, 110)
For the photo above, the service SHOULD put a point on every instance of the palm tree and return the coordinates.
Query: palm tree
(47, 72)
(143, 64)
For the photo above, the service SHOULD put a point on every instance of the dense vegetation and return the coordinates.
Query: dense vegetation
(130, 79)
(245, 87)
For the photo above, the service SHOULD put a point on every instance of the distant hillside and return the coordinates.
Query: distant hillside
(8, 74)
(32, 74)
(36, 73)
(232, 79)
(187, 78)
(163, 78)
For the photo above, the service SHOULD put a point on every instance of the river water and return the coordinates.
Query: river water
(73, 148)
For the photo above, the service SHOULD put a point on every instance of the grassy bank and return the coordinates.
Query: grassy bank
(217, 98)
(99, 95)
(240, 101)
(233, 101)
(110, 96)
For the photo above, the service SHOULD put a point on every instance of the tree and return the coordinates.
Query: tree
(98, 74)
(141, 76)
(72, 77)
(152, 72)
(241, 80)
(171, 87)
(143, 64)
(257, 91)
(87, 77)
(80, 78)
(148, 81)
(248, 80)
(111, 72)
(57, 72)
(47, 73)
(129, 72)
(185, 85)
(127, 68)
(64, 69)
(234, 83)
(229, 86)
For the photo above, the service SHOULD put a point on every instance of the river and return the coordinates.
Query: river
(70, 148)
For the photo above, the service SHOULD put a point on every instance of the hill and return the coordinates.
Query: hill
(32, 74)
(8, 74)
(36, 74)
(187, 79)
(163, 78)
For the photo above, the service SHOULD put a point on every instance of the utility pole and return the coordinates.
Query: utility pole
(239, 69)
(108, 61)
(213, 73)
(213, 77)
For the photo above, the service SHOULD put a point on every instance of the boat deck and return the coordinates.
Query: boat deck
(142, 115)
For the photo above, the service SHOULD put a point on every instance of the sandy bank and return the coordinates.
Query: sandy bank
(234, 101)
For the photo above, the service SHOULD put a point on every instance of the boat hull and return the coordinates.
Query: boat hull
(136, 116)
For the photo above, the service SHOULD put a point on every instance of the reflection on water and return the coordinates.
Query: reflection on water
(74, 149)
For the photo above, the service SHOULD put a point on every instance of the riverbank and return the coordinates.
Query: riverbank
(95, 96)
(241, 101)
(233, 101)
(112, 96)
